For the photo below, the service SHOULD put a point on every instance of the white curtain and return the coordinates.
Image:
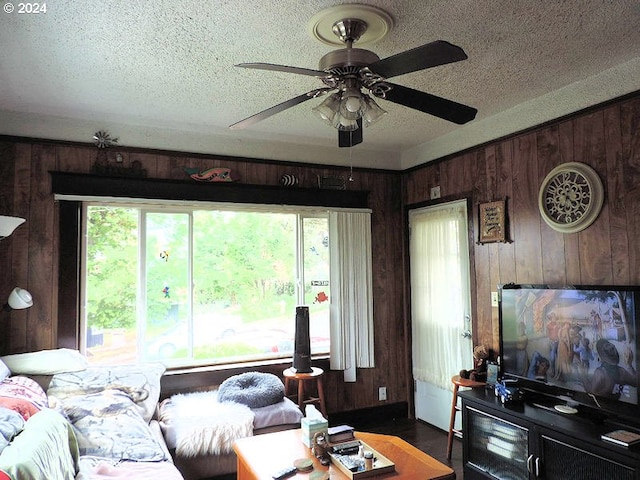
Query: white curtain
(439, 292)
(351, 292)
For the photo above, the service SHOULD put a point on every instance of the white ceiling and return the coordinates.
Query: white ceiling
(160, 74)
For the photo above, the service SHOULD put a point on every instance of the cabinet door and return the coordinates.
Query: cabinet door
(494, 446)
(561, 461)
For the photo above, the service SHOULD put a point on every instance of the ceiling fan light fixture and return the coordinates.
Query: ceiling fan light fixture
(345, 124)
(352, 105)
(373, 113)
(328, 108)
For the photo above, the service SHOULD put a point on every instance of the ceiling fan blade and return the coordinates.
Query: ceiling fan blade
(427, 103)
(283, 68)
(427, 56)
(278, 108)
(350, 138)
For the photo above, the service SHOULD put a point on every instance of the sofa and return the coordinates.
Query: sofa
(200, 427)
(61, 418)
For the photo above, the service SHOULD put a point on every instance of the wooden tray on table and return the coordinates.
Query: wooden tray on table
(381, 464)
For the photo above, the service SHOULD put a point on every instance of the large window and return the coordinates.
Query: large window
(189, 286)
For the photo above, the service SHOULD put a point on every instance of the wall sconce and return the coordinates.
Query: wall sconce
(19, 298)
(8, 225)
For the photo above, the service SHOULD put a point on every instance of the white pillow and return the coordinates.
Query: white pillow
(4, 371)
(46, 362)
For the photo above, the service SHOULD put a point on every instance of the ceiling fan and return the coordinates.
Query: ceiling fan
(353, 75)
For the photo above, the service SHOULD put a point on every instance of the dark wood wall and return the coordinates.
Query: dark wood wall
(29, 258)
(608, 252)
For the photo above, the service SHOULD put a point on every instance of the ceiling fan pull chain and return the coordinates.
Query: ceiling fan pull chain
(350, 156)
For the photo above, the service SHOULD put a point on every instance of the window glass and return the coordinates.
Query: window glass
(110, 295)
(199, 287)
(316, 280)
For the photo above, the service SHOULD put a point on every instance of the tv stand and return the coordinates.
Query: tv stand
(527, 441)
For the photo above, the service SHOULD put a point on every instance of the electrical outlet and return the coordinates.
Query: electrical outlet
(494, 299)
(382, 393)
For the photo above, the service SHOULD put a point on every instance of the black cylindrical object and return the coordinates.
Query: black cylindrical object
(302, 346)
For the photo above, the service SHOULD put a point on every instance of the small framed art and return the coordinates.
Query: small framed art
(492, 221)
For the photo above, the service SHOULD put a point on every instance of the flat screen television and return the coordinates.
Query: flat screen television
(575, 345)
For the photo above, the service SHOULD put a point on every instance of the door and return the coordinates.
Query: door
(440, 306)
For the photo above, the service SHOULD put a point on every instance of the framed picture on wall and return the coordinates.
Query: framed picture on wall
(492, 221)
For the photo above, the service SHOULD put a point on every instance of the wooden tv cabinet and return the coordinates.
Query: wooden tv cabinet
(523, 441)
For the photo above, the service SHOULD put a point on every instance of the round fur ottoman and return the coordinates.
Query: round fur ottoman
(253, 389)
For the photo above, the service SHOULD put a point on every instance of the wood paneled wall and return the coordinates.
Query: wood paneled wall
(29, 258)
(608, 252)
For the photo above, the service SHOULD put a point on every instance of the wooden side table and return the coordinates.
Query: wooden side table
(457, 383)
(303, 378)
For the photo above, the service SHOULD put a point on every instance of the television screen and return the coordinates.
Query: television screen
(578, 343)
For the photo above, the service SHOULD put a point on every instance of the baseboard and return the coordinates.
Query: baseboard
(372, 415)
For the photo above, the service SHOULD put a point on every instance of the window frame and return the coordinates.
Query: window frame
(70, 189)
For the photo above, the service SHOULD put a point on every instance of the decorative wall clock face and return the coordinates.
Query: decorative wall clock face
(571, 197)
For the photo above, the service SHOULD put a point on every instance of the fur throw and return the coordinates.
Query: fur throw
(205, 426)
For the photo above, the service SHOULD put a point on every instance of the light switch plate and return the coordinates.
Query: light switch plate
(494, 299)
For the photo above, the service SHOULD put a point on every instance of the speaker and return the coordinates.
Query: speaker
(302, 345)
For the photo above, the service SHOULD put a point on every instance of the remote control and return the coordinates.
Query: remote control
(284, 473)
(346, 448)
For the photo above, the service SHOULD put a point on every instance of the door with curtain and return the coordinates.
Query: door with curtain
(440, 306)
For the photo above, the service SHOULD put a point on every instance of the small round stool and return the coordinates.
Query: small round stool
(457, 383)
(302, 378)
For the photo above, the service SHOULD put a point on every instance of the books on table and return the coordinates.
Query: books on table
(622, 437)
(340, 433)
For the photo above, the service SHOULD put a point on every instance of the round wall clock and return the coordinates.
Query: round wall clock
(571, 197)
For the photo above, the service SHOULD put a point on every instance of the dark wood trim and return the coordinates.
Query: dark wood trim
(69, 270)
(77, 184)
(195, 155)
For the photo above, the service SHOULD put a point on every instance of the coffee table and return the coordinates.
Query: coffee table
(262, 455)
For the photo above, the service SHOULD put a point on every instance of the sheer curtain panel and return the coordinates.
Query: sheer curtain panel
(439, 286)
(351, 287)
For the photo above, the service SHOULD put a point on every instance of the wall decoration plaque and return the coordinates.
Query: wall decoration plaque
(492, 222)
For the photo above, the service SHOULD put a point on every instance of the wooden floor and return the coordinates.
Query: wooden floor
(423, 436)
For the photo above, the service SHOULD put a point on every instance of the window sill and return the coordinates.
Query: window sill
(185, 379)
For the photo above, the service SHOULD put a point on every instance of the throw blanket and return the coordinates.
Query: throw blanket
(103, 470)
(46, 448)
(11, 424)
(203, 426)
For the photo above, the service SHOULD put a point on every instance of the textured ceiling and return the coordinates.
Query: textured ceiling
(161, 74)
